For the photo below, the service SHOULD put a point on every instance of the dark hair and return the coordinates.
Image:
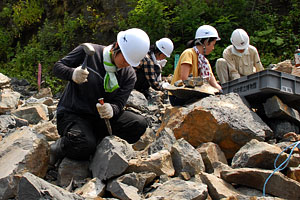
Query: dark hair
(154, 49)
(195, 42)
(115, 46)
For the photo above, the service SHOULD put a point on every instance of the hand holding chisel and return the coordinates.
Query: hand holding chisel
(105, 112)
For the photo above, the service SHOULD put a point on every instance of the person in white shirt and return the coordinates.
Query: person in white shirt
(239, 59)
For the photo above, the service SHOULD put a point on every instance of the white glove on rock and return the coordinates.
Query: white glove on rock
(162, 63)
(105, 111)
(164, 85)
(80, 75)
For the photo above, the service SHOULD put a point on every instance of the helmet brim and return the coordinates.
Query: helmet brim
(241, 47)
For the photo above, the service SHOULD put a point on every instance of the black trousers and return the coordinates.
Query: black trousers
(80, 134)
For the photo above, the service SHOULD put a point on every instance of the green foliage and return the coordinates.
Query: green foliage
(53, 41)
(151, 16)
(188, 15)
(272, 32)
(22, 65)
(26, 13)
(56, 27)
(6, 38)
(6, 51)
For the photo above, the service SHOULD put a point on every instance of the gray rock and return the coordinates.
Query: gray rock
(75, 170)
(21, 151)
(181, 190)
(211, 153)
(186, 158)
(262, 155)
(111, 158)
(217, 187)
(164, 141)
(32, 188)
(33, 114)
(7, 122)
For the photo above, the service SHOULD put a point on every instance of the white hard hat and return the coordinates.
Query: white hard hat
(239, 39)
(206, 31)
(134, 44)
(165, 45)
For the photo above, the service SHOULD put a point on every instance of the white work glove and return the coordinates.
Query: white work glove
(164, 85)
(162, 63)
(80, 75)
(105, 111)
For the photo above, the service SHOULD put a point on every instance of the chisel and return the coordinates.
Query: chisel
(107, 122)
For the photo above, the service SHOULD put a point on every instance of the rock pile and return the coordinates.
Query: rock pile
(215, 148)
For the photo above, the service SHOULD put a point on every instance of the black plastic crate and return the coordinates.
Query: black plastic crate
(257, 87)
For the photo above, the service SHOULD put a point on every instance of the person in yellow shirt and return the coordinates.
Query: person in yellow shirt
(193, 61)
(239, 59)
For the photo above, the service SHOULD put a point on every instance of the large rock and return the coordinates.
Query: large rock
(180, 189)
(275, 108)
(129, 186)
(211, 153)
(32, 188)
(6, 122)
(4, 80)
(278, 185)
(294, 173)
(186, 158)
(217, 187)
(164, 141)
(137, 100)
(48, 129)
(137, 180)
(123, 191)
(222, 119)
(159, 163)
(72, 170)
(8, 100)
(93, 189)
(281, 127)
(257, 154)
(111, 158)
(21, 151)
(33, 114)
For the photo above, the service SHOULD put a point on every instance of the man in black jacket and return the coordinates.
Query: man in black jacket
(108, 75)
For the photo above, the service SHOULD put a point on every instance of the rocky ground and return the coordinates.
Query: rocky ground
(215, 148)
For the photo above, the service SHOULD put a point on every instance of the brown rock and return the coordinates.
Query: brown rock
(223, 119)
(294, 173)
(278, 185)
(211, 153)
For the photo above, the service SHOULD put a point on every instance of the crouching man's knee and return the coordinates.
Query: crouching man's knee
(78, 146)
(130, 126)
(222, 70)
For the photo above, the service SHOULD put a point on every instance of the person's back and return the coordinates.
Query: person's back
(239, 59)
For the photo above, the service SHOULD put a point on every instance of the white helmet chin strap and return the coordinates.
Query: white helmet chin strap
(204, 49)
(203, 45)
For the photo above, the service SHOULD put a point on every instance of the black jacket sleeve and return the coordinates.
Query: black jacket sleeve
(64, 68)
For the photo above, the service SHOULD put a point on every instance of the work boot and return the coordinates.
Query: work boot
(56, 152)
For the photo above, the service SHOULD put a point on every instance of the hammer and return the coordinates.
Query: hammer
(89, 51)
